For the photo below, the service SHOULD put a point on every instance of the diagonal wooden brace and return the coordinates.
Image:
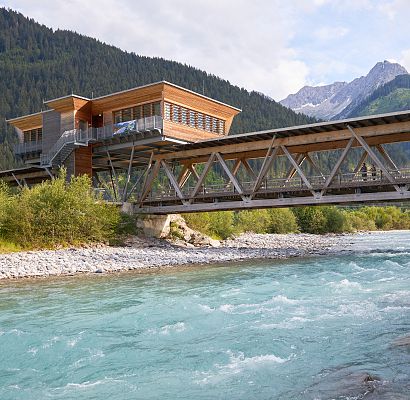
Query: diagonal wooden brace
(173, 180)
(267, 162)
(336, 167)
(150, 180)
(201, 179)
(296, 166)
(231, 176)
(374, 157)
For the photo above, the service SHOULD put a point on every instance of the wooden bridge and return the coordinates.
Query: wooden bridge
(249, 168)
(302, 165)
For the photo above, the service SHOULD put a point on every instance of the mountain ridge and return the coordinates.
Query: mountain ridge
(342, 97)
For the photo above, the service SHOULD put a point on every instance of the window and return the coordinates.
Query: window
(137, 112)
(126, 115)
(175, 113)
(146, 110)
(194, 119)
(207, 123)
(117, 117)
(214, 126)
(33, 135)
(157, 108)
(200, 119)
(167, 108)
(184, 119)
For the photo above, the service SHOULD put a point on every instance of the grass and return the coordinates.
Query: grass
(8, 247)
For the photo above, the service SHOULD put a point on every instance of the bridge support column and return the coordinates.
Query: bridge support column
(151, 225)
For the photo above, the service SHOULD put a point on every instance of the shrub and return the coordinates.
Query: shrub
(56, 213)
(258, 221)
(218, 224)
(282, 220)
(310, 219)
(336, 221)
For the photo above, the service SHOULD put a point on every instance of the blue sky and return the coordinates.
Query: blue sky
(274, 47)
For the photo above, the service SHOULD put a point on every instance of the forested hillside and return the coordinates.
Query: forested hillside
(392, 96)
(37, 63)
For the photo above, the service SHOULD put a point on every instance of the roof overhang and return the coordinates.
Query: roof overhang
(26, 122)
(67, 103)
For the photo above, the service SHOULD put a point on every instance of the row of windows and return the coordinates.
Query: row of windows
(33, 135)
(193, 118)
(137, 112)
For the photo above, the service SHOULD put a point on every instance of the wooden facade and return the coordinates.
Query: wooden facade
(72, 112)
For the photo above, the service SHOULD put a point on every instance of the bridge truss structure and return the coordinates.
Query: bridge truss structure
(277, 168)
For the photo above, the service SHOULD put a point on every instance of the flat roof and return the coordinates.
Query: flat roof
(36, 114)
(170, 84)
(66, 97)
(328, 126)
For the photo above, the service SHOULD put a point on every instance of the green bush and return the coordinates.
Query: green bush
(310, 219)
(336, 221)
(56, 213)
(218, 224)
(282, 220)
(257, 221)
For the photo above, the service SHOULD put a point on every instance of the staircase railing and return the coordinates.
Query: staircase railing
(68, 137)
(83, 137)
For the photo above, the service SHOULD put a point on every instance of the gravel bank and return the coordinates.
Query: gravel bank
(142, 253)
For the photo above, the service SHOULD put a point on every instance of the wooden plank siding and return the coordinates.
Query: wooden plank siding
(187, 133)
(51, 129)
(128, 98)
(83, 164)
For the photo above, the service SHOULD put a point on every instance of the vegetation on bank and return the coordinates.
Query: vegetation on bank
(318, 220)
(55, 213)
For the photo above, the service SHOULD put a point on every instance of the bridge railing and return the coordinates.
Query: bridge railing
(283, 184)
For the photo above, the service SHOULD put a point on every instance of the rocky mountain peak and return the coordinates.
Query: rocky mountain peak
(335, 100)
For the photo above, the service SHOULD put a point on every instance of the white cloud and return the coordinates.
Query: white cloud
(331, 32)
(405, 59)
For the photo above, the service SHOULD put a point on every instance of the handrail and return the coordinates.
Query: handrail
(28, 147)
(401, 176)
(74, 136)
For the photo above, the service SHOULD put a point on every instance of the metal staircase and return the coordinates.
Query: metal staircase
(64, 146)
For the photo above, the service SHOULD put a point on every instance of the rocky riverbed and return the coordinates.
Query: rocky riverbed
(148, 254)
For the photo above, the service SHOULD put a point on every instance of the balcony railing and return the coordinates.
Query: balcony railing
(83, 137)
(147, 124)
(27, 147)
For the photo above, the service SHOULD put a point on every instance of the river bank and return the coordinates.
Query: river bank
(149, 254)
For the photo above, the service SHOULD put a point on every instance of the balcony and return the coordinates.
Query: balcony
(28, 147)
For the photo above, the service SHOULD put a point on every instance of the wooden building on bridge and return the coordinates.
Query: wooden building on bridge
(167, 139)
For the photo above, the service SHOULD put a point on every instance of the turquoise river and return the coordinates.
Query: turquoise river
(306, 328)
